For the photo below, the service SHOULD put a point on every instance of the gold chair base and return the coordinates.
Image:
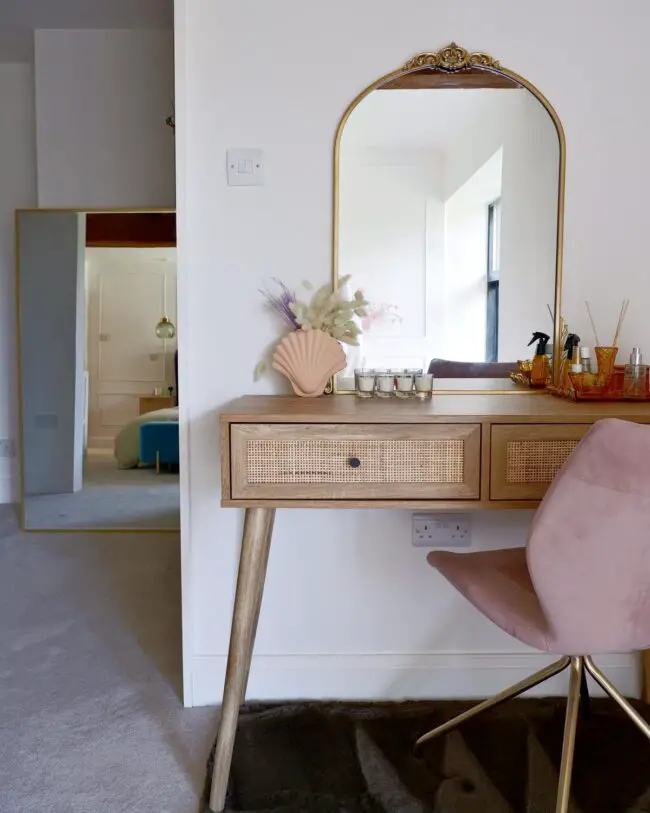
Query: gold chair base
(579, 666)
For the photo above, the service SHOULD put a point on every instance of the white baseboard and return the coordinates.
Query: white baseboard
(395, 677)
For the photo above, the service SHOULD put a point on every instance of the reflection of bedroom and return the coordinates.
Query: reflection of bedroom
(100, 409)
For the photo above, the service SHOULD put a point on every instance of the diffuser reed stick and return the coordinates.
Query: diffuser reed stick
(624, 307)
(593, 324)
(550, 313)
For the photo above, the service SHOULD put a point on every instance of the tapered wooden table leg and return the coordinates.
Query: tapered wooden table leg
(257, 609)
(258, 527)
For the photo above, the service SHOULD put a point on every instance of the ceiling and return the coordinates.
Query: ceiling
(19, 18)
(421, 118)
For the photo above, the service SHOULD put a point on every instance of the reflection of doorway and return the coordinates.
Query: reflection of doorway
(128, 290)
(130, 284)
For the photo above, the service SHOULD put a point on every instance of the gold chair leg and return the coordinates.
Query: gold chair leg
(614, 693)
(585, 700)
(514, 691)
(570, 726)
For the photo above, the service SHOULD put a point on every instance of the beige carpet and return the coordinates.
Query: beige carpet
(110, 498)
(90, 666)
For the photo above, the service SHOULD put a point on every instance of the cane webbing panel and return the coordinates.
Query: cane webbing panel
(536, 461)
(328, 461)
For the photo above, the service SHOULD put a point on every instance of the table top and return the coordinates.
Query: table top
(456, 408)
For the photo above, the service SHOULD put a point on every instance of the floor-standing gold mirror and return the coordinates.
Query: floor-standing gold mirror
(98, 366)
(448, 215)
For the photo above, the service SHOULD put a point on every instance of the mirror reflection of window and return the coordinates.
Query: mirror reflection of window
(493, 252)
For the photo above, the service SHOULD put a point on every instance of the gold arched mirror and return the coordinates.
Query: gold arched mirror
(448, 215)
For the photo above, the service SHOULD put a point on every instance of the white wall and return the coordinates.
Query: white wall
(519, 125)
(531, 157)
(102, 99)
(17, 189)
(350, 607)
(464, 306)
(101, 102)
(391, 241)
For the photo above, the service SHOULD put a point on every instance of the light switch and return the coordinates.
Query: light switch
(245, 167)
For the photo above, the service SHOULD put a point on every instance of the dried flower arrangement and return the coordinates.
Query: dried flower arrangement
(381, 313)
(309, 361)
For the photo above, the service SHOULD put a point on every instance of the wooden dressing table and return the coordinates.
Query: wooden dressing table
(460, 452)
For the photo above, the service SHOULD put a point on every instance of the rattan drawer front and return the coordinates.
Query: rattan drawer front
(525, 459)
(330, 462)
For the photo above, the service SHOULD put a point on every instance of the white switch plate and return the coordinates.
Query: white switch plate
(441, 531)
(245, 167)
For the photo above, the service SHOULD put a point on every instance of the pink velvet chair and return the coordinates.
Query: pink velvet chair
(582, 584)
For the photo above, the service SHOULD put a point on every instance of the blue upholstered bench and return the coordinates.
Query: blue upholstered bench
(159, 443)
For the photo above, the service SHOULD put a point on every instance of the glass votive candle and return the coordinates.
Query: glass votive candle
(404, 384)
(364, 381)
(424, 385)
(385, 383)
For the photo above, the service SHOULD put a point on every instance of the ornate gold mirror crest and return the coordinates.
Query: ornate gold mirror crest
(451, 58)
(456, 69)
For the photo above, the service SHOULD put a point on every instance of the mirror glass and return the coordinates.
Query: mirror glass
(448, 196)
(98, 370)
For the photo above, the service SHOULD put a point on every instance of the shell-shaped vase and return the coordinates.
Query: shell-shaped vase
(308, 358)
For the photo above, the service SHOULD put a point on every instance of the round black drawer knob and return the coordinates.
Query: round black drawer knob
(354, 462)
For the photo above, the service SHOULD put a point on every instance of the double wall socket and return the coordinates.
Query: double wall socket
(441, 530)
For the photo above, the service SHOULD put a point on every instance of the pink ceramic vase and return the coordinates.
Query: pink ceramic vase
(308, 358)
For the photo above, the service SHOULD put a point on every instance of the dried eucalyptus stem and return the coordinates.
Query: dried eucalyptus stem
(327, 310)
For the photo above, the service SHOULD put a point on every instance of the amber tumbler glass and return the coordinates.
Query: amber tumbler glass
(605, 359)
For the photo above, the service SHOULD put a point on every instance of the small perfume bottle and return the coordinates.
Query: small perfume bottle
(635, 381)
(585, 359)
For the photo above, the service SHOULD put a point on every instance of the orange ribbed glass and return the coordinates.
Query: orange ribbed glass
(605, 358)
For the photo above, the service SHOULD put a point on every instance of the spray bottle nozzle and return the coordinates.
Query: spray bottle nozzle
(572, 341)
(542, 341)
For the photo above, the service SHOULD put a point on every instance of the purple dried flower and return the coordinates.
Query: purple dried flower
(281, 303)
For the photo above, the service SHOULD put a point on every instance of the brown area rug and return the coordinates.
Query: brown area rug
(353, 758)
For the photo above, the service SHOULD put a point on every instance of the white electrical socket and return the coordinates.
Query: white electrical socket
(441, 531)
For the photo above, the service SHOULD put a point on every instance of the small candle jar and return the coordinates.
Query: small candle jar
(404, 384)
(385, 383)
(364, 383)
(424, 385)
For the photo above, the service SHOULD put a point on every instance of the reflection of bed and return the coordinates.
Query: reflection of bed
(127, 441)
(159, 444)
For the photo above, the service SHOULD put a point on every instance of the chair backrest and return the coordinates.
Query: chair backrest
(589, 545)
(444, 368)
